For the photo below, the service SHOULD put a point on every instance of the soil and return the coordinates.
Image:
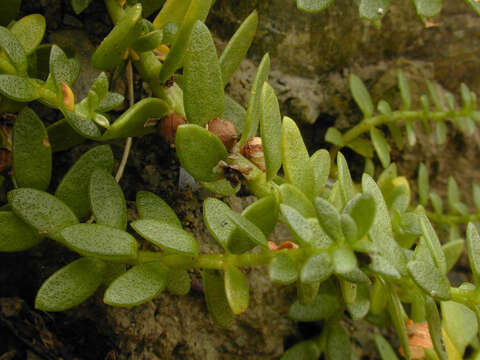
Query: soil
(313, 56)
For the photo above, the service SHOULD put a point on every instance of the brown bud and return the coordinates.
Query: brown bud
(253, 151)
(168, 126)
(225, 131)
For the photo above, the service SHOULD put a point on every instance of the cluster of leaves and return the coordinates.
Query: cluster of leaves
(375, 10)
(360, 250)
(444, 109)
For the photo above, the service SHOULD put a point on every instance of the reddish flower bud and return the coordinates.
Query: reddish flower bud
(168, 127)
(253, 151)
(225, 131)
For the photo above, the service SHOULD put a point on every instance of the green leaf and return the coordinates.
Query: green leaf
(317, 267)
(362, 209)
(270, 130)
(476, 195)
(236, 289)
(361, 146)
(247, 229)
(18, 88)
(80, 5)
(359, 309)
(313, 6)
(293, 197)
(453, 194)
(71, 285)
(111, 101)
(73, 189)
(63, 69)
(42, 211)
(411, 132)
(325, 305)
(474, 5)
(404, 90)
(217, 303)
(101, 241)
(32, 153)
(338, 343)
(214, 216)
(473, 251)
(303, 350)
(253, 109)
(435, 327)
(178, 282)
(81, 125)
(133, 121)
(423, 185)
(428, 8)
(349, 228)
(334, 136)
(138, 285)
(345, 179)
(166, 236)
(263, 213)
(237, 47)
(221, 187)
(378, 297)
(109, 54)
(172, 11)
(382, 266)
(381, 232)
(100, 86)
(381, 146)
(437, 202)
(384, 348)
(14, 50)
(15, 235)
(107, 200)
(283, 269)
(148, 41)
(199, 151)
(460, 323)
(361, 96)
(29, 31)
(235, 113)
(329, 219)
(197, 10)
(433, 244)
(202, 75)
(430, 279)
(151, 206)
(298, 225)
(320, 163)
(373, 10)
(398, 317)
(344, 260)
(453, 250)
(8, 11)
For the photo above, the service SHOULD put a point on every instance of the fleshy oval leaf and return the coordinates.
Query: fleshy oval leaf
(283, 269)
(166, 236)
(216, 299)
(236, 289)
(107, 200)
(15, 235)
(318, 267)
(430, 279)
(263, 213)
(361, 96)
(199, 151)
(18, 88)
(29, 31)
(73, 189)
(101, 241)
(202, 75)
(71, 285)
(32, 153)
(42, 211)
(151, 206)
(138, 285)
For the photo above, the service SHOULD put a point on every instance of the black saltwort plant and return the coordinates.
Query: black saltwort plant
(359, 250)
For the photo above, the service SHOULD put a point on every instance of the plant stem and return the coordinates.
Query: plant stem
(397, 116)
(452, 219)
(221, 261)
